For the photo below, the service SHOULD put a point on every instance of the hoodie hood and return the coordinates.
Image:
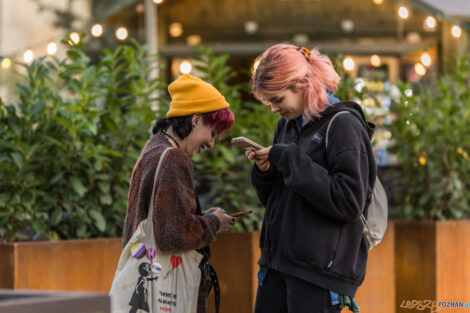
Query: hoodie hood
(354, 108)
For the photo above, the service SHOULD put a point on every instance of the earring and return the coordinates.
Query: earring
(194, 126)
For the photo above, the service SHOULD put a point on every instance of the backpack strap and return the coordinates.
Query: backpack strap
(331, 122)
(363, 219)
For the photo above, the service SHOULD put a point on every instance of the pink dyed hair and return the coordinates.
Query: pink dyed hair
(221, 120)
(283, 67)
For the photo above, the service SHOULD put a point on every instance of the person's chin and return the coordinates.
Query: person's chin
(287, 116)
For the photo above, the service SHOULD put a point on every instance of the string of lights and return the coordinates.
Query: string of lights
(96, 30)
(430, 24)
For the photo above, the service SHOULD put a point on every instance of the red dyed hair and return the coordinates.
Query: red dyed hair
(221, 120)
(283, 67)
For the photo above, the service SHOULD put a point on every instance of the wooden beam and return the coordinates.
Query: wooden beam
(255, 48)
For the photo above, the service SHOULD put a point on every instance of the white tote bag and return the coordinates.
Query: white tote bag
(149, 280)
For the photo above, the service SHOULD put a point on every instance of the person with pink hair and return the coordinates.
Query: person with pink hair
(313, 253)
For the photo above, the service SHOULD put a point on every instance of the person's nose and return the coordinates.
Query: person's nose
(274, 109)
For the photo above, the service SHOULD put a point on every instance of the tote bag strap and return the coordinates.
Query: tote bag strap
(152, 200)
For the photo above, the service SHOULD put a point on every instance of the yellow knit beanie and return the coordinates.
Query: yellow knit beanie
(191, 95)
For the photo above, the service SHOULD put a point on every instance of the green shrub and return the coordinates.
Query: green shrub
(432, 143)
(69, 142)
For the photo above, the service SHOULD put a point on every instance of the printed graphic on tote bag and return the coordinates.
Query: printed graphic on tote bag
(175, 262)
(139, 298)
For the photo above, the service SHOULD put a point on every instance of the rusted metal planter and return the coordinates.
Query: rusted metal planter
(234, 257)
(68, 265)
(89, 265)
(432, 262)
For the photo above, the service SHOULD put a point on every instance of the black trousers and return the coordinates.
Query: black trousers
(281, 293)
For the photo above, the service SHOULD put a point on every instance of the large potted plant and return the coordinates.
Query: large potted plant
(431, 133)
(69, 138)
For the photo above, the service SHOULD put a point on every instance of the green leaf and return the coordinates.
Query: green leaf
(56, 178)
(106, 199)
(82, 231)
(38, 108)
(18, 159)
(78, 186)
(56, 216)
(99, 220)
(104, 187)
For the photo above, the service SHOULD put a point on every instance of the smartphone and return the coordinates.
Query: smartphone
(241, 213)
(246, 143)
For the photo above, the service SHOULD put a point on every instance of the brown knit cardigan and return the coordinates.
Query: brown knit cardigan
(178, 222)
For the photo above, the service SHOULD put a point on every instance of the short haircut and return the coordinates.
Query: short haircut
(221, 120)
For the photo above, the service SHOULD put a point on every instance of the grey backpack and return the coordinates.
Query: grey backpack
(375, 224)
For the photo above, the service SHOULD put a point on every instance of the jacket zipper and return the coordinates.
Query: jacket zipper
(338, 234)
(333, 250)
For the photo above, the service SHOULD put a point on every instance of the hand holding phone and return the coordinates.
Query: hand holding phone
(261, 158)
(246, 143)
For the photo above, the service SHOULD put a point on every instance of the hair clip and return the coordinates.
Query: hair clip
(305, 52)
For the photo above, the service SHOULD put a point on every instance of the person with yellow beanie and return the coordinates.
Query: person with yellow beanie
(198, 113)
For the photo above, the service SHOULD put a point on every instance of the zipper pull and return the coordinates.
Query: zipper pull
(329, 264)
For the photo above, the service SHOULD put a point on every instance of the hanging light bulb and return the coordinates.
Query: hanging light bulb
(74, 37)
(403, 12)
(186, 67)
(176, 29)
(378, 2)
(375, 60)
(122, 33)
(420, 69)
(158, 1)
(28, 56)
(6, 63)
(430, 23)
(97, 30)
(349, 64)
(193, 40)
(51, 48)
(140, 8)
(456, 31)
(426, 59)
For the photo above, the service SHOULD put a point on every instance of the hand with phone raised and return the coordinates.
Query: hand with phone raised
(254, 152)
(260, 157)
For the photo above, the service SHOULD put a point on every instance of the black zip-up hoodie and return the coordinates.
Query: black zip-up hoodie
(314, 198)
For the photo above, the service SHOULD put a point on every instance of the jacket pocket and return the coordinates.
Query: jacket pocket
(313, 239)
(350, 258)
